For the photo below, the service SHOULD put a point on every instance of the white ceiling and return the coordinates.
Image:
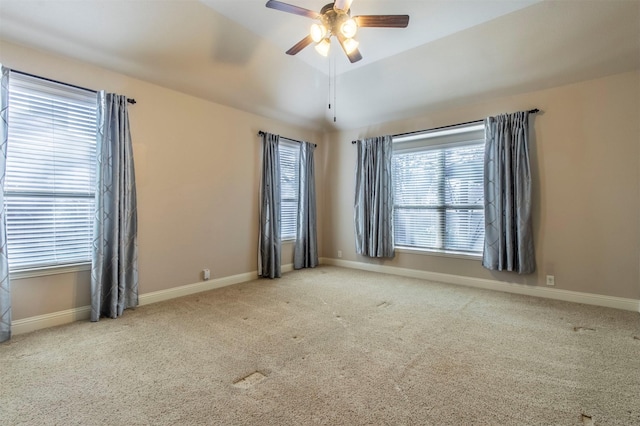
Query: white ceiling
(429, 21)
(453, 51)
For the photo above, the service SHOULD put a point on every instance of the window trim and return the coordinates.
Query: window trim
(294, 145)
(41, 88)
(458, 136)
(439, 253)
(20, 274)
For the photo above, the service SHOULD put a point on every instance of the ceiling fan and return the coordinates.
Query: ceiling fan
(334, 19)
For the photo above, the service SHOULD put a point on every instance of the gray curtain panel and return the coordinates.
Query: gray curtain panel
(374, 198)
(305, 253)
(5, 286)
(114, 271)
(269, 245)
(508, 241)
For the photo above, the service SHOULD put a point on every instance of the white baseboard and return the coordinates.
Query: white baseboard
(544, 292)
(53, 319)
(185, 290)
(27, 325)
(38, 322)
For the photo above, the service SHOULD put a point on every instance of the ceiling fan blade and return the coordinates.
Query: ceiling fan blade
(342, 4)
(300, 45)
(289, 8)
(382, 21)
(354, 56)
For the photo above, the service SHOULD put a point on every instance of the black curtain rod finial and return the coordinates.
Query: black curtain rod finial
(262, 133)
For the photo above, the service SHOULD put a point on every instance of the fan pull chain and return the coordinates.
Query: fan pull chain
(335, 104)
(332, 83)
(330, 59)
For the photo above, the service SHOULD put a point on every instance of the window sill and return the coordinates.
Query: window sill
(450, 254)
(49, 270)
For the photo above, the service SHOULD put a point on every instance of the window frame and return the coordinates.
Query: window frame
(63, 99)
(293, 148)
(470, 134)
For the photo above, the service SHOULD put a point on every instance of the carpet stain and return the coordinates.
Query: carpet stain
(340, 320)
(587, 420)
(636, 337)
(582, 329)
(250, 380)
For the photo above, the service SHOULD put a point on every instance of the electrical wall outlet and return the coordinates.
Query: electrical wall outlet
(339, 253)
(551, 280)
(206, 274)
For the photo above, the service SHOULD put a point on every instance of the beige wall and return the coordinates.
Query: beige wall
(585, 160)
(197, 169)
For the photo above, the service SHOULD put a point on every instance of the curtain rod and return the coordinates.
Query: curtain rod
(531, 111)
(260, 133)
(130, 100)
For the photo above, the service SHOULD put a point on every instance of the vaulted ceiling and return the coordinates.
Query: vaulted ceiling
(232, 51)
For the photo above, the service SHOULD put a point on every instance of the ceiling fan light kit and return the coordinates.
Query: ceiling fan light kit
(335, 19)
(350, 45)
(349, 28)
(318, 32)
(323, 47)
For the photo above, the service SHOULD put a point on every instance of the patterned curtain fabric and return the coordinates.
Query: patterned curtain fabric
(374, 198)
(114, 273)
(508, 241)
(269, 245)
(5, 286)
(305, 253)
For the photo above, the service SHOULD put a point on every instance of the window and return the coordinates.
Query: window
(438, 190)
(50, 175)
(289, 176)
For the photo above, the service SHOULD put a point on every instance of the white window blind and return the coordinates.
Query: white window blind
(439, 197)
(289, 177)
(50, 177)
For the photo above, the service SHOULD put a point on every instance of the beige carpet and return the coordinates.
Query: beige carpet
(332, 346)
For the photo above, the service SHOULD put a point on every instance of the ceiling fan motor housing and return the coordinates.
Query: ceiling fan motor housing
(333, 18)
